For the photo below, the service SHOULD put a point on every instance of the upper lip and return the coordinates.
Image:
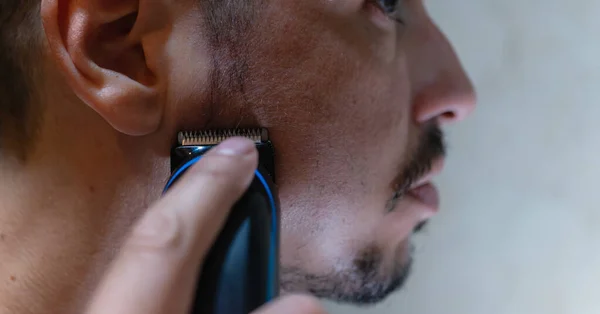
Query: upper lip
(436, 169)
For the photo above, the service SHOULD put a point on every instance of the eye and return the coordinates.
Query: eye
(392, 9)
(389, 5)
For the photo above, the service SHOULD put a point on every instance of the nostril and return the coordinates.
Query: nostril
(446, 103)
(448, 115)
(455, 114)
(443, 112)
(457, 108)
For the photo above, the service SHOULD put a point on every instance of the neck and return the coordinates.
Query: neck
(65, 212)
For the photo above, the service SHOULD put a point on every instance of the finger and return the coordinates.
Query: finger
(293, 304)
(157, 267)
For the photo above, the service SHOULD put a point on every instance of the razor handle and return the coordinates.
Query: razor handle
(241, 270)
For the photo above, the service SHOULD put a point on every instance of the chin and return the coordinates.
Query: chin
(367, 282)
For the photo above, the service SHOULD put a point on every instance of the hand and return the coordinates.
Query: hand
(158, 265)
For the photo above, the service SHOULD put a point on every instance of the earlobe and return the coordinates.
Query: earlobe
(97, 45)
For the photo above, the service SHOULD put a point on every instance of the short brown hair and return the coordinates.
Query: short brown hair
(20, 44)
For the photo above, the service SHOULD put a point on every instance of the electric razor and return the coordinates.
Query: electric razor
(241, 271)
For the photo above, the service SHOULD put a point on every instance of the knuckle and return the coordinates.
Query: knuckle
(158, 231)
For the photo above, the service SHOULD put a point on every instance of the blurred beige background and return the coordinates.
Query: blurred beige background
(519, 232)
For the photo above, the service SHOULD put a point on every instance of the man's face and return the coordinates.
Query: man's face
(353, 101)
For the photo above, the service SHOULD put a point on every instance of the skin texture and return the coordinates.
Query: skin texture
(352, 99)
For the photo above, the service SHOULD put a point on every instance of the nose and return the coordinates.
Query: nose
(444, 92)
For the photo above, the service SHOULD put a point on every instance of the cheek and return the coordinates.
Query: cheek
(339, 115)
(189, 63)
(336, 113)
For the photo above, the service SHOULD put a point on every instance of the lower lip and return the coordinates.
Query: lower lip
(427, 194)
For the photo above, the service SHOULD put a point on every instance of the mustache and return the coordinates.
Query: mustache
(431, 147)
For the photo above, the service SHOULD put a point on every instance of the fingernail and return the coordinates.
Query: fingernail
(235, 146)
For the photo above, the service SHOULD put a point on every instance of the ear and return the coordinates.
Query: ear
(101, 46)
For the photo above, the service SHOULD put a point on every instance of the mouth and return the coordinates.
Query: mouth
(427, 194)
(424, 191)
